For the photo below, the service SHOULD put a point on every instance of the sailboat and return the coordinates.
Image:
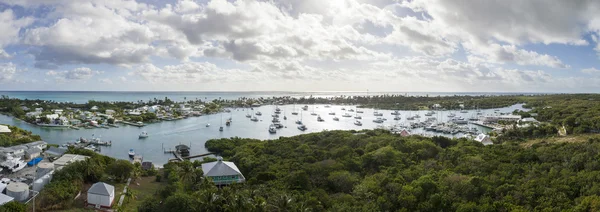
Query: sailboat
(313, 111)
(294, 112)
(299, 121)
(221, 128)
(208, 121)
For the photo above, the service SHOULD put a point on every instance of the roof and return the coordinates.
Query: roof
(56, 151)
(4, 129)
(5, 199)
(33, 150)
(181, 146)
(481, 137)
(68, 158)
(19, 147)
(101, 188)
(220, 168)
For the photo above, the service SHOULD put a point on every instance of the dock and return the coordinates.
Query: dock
(180, 158)
(480, 123)
(133, 124)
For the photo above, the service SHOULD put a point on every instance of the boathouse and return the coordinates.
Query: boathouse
(183, 150)
(222, 172)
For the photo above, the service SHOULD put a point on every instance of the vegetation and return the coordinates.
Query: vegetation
(379, 171)
(17, 136)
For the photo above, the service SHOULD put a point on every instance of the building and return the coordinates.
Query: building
(75, 121)
(5, 199)
(4, 129)
(147, 165)
(404, 133)
(58, 111)
(38, 144)
(67, 159)
(101, 195)
(222, 172)
(32, 153)
(494, 119)
(109, 112)
(183, 150)
(484, 139)
(55, 152)
(39, 109)
(94, 108)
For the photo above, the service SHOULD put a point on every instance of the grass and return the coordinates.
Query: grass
(147, 187)
(560, 139)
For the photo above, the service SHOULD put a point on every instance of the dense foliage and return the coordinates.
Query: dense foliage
(378, 171)
(17, 136)
(71, 179)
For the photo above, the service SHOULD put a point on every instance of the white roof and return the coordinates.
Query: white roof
(5, 199)
(220, 168)
(68, 158)
(481, 137)
(101, 188)
(4, 129)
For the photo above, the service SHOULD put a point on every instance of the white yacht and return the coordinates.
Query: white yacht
(305, 107)
(332, 113)
(357, 117)
(302, 128)
(378, 120)
(143, 135)
(346, 115)
(358, 123)
(131, 153)
(272, 129)
(336, 118)
(13, 164)
(254, 119)
(258, 113)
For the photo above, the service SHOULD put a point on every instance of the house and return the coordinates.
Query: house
(24, 108)
(222, 172)
(484, 139)
(32, 153)
(528, 120)
(493, 119)
(38, 144)
(67, 159)
(404, 133)
(146, 165)
(39, 109)
(4, 129)
(109, 112)
(75, 121)
(57, 111)
(18, 151)
(5, 198)
(55, 152)
(183, 150)
(101, 195)
(52, 116)
(94, 108)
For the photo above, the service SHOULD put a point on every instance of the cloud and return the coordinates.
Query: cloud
(495, 53)
(77, 74)
(10, 26)
(105, 81)
(7, 72)
(592, 71)
(192, 72)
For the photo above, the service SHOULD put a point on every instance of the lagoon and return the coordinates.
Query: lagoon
(192, 131)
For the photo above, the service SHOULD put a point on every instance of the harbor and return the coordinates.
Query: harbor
(193, 131)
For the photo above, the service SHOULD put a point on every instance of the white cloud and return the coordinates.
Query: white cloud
(192, 72)
(77, 74)
(9, 28)
(590, 71)
(7, 72)
(105, 81)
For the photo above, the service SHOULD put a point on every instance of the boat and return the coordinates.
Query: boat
(463, 111)
(13, 164)
(143, 135)
(278, 125)
(359, 111)
(377, 113)
(277, 109)
(332, 113)
(298, 122)
(358, 123)
(410, 118)
(346, 115)
(248, 116)
(131, 153)
(284, 117)
(336, 118)
(254, 119)
(277, 112)
(395, 113)
(294, 113)
(228, 122)
(207, 124)
(258, 113)
(274, 120)
(417, 116)
(357, 117)
(221, 129)
(319, 119)
(313, 114)
(275, 116)
(272, 129)
(451, 115)
(351, 110)
(302, 128)
(343, 108)
(327, 106)
(378, 120)
(305, 107)
(397, 118)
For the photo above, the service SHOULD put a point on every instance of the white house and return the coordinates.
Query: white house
(52, 116)
(94, 108)
(4, 129)
(484, 139)
(37, 144)
(58, 111)
(101, 195)
(32, 153)
(222, 172)
(39, 109)
(110, 112)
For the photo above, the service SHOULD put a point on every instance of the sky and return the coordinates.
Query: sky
(293, 45)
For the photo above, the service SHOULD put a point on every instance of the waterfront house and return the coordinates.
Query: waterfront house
(38, 144)
(101, 195)
(33, 114)
(484, 139)
(109, 112)
(4, 129)
(75, 121)
(32, 153)
(183, 150)
(57, 111)
(222, 172)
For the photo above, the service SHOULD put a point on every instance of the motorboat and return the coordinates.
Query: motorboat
(332, 113)
(143, 135)
(377, 114)
(358, 123)
(298, 122)
(464, 111)
(313, 114)
(346, 115)
(327, 106)
(302, 128)
(351, 110)
(451, 115)
(395, 113)
(284, 117)
(275, 116)
(277, 112)
(221, 129)
(272, 129)
(397, 118)
(336, 118)
(319, 119)
(13, 164)
(207, 124)
(343, 108)
(357, 117)
(275, 120)
(278, 125)
(359, 111)
(258, 113)
(305, 107)
(228, 123)
(254, 119)
(131, 153)
(378, 120)
(294, 113)
(277, 109)
(248, 116)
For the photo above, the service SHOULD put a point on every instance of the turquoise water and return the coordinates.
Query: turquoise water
(132, 96)
(192, 131)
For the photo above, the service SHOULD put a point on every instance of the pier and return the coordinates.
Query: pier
(180, 158)
(133, 124)
(480, 123)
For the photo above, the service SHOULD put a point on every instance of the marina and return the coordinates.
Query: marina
(193, 130)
